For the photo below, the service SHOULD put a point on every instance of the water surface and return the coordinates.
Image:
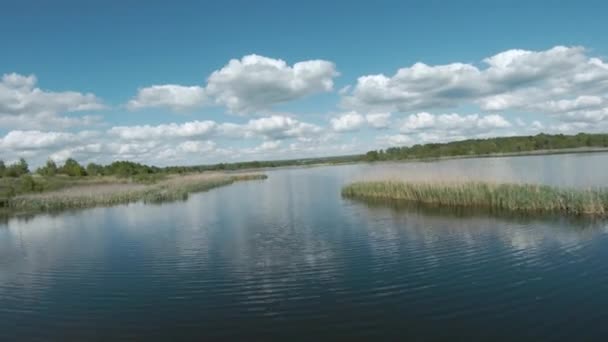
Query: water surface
(288, 257)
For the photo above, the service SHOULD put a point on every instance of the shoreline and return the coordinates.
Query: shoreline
(576, 150)
(85, 195)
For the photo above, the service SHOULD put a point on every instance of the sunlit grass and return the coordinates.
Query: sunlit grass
(171, 189)
(503, 197)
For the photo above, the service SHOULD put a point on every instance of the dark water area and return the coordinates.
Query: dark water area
(288, 257)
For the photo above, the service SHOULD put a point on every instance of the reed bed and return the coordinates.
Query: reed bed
(528, 198)
(174, 188)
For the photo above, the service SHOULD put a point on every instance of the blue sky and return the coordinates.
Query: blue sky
(101, 81)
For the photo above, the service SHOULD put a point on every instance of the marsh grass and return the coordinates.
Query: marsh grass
(526, 198)
(171, 189)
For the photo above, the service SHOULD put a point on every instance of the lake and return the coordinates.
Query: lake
(287, 257)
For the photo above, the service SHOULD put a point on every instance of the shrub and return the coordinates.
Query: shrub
(73, 169)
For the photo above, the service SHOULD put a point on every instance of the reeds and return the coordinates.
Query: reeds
(501, 197)
(174, 188)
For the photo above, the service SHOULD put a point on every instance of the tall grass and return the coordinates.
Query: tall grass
(504, 197)
(174, 188)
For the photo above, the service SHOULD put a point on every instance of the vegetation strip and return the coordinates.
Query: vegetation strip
(518, 145)
(504, 197)
(176, 188)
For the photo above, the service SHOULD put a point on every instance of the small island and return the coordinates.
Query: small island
(521, 198)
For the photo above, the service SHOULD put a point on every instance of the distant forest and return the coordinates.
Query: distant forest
(471, 147)
(475, 147)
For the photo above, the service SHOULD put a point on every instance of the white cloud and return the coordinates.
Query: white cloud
(395, 140)
(453, 122)
(18, 141)
(172, 130)
(274, 127)
(422, 120)
(420, 86)
(48, 120)
(266, 146)
(378, 120)
(577, 104)
(353, 121)
(82, 152)
(347, 122)
(37, 146)
(23, 105)
(196, 146)
(173, 143)
(427, 127)
(176, 97)
(537, 125)
(33, 140)
(256, 82)
(563, 81)
(244, 85)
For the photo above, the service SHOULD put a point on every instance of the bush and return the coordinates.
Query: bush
(94, 169)
(73, 169)
(50, 169)
(29, 184)
(18, 169)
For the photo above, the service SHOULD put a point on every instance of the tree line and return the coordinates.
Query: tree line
(130, 169)
(74, 169)
(472, 147)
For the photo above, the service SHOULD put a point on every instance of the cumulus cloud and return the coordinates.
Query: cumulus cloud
(378, 120)
(427, 127)
(176, 97)
(172, 143)
(347, 122)
(275, 127)
(172, 130)
(164, 144)
(244, 85)
(353, 121)
(395, 140)
(256, 82)
(559, 80)
(451, 122)
(34, 140)
(23, 105)
(40, 145)
(564, 87)
(27, 140)
(266, 146)
(48, 120)
(196, 146)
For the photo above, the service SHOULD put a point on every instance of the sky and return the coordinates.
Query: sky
(193, 82)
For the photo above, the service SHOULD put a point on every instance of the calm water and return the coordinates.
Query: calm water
(288, 257)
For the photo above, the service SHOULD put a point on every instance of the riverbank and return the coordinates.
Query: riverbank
(523, 198)
(360, 159)
(175, 187)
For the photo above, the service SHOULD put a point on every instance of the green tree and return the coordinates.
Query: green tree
(29, 184)
(94, 169)
(372, 156)
(17, 169)
(2, 168)
(50, 169)
(73, 169)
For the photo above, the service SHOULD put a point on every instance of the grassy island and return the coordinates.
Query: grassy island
(523, 198)
(108, 192)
